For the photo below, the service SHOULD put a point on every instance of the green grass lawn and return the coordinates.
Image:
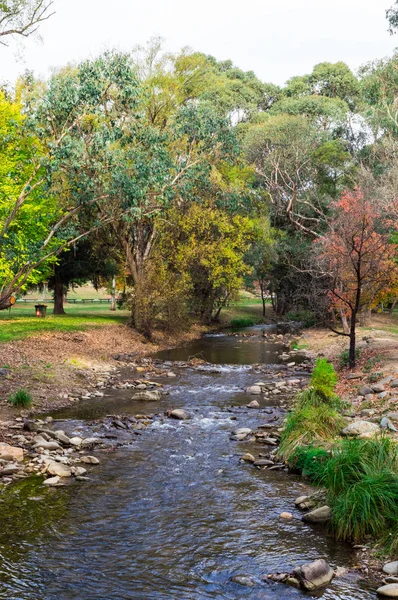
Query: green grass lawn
(21, 322)
(246, 311)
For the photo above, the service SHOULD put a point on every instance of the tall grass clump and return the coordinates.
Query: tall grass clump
(361, 477)
(324, 378)
(308, 424)
(21, 399)
(308, 460)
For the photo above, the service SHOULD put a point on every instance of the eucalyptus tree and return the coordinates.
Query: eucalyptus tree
(22, 18)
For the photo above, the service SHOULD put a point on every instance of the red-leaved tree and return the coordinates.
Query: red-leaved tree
(357, 254)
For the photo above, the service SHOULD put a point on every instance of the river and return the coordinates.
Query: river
(174, 514)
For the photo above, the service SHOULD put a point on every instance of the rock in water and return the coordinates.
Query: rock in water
(149, 395)
(248, 457)
(254, 389)
(58, 469)
(360, 427)
(319, 515)
(52, 481)
(391, 568)
(313, 575)
(245, 580)
(253, 404)
(90, 460)
(8, 452)
(388, 591)
(180, 414)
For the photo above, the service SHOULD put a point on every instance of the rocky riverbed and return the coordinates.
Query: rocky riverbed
(171, 484)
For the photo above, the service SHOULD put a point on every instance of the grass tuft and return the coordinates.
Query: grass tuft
(21, 399)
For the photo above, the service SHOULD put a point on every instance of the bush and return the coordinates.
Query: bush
(305, 317)
(324, 378)
(308, 460)
(240, 322)
(362, 482)
(307, 424)
(21, 399)
(344, 357)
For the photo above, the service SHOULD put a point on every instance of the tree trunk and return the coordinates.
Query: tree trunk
(344, 322)
(392, 306)
(262, 295)
(59, 292)
(113, 295)
(351, 356)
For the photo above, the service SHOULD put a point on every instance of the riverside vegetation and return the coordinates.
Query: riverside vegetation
(360, 475)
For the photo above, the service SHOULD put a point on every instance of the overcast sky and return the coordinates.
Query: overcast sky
(275, 38)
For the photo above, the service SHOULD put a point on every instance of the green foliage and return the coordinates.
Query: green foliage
(361, 477)
(21, 399)
(308, 460)
(344, 357)
(240, 322)
(308, 424)
(306, 318)
(371, 363)
(324, 378)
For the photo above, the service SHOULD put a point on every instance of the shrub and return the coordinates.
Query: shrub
(362, 482)
(240, 322)
(306, 318)
(308, 424)
(344, 357)
(324, 378)
(308, 460)
(21, 399)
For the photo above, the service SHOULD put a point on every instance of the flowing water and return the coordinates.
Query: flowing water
(173, 514)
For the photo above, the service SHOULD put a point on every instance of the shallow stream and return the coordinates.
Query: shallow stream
(173, 515)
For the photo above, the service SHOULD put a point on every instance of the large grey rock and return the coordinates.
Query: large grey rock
(52, 481)
(263, 462)
(254, 389)
(8, 452)
(61, 437)
(149, 395)
(47, 445)
(318, 515)
(394, 383)
(360, 427)
(391, 568)
(365, 389)
(90, 460)
(314, 575)
(388, 591)
(248, 457)
(378, 388)
(246, 580)
(180, 414)
(393, 416)
(58, 469)
(386, 423)
(253, 404)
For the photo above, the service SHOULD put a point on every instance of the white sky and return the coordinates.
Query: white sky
(275, 38)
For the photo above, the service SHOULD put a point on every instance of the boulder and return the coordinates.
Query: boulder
(90, 460)
(391, 568)
(58, 469)
(243, 431)
(263, 462)
(8, 452)
(365, 390)
(47, 445)
(378, 388)
(386, 423)
(148, 395)
(245, 580)
(52, 481)
(360, 427)
(10, 469)
(253, 404)
(388, 591)
(254, 389)
(314, 575)
(394, 383)
(61, 437)
(76, 441)
(248, 458)
(180, 414)
(393, 416)
(305, 502)
(318, 515)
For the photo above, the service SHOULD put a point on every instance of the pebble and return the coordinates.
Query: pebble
(286, 515)
(90, 460)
